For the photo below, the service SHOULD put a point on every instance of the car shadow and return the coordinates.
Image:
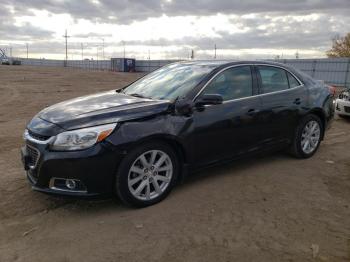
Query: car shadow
(214, 172)
(235, 166)
(344, 118)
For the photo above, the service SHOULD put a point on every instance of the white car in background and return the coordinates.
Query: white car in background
(342, 104)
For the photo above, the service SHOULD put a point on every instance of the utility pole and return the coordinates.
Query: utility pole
(149, 60)
(82, 51)
(124, 48)
(97, 57)
(66, 37)
(103, 49)
(215, 51)
(27, 49)
(192, 54)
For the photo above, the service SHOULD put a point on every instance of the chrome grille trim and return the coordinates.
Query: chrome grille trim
(27, 136)
(37, 136)
(34, 154)
(31, 178)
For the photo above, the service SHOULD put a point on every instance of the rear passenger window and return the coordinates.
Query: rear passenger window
(232, 83)
(292, 81)
(273, 79)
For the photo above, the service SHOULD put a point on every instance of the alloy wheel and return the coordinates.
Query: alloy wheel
(310, 137)
(150, 175)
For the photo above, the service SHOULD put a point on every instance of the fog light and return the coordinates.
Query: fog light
(70, 184)
(67, 185)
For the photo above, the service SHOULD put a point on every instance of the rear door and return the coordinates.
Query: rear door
(283, 97)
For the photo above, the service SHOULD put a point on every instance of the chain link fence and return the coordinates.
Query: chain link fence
(334, 71)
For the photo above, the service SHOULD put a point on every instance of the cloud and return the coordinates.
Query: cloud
(9, 30)
(311, 32)
(126, 11)
(92, 35)
(170, 28)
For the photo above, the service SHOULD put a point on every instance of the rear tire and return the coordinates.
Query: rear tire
(147, 174)
(307, 137)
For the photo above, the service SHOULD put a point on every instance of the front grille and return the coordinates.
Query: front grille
(347, 109)
(33, 156)
(37, 136)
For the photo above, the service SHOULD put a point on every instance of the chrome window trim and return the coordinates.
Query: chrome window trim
(280, 91)
(258, 64)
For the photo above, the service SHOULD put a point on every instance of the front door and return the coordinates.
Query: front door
(231, 128)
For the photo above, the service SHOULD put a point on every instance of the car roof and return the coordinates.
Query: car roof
(230, 62)
(220, 64)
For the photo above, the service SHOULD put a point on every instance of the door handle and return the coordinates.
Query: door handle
(252, 111)
(297, 101)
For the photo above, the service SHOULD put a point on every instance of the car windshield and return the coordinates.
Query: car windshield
(169, 82)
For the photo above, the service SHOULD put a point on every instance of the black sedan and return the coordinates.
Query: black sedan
(138, 142)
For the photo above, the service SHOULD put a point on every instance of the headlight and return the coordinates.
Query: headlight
(345, 95)
(82, 138)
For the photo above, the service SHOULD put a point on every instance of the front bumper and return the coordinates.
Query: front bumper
(342, 107)
(94, 168)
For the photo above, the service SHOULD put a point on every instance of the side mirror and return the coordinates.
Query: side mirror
(209, 99)
(183, 107)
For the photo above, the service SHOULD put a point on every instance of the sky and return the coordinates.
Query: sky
(170, 29)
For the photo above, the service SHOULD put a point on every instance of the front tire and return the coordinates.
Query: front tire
(147, 174)
(307, 137)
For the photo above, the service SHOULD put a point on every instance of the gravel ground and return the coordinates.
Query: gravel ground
(270, 208)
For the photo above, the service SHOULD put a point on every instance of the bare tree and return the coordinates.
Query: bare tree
(341, 47)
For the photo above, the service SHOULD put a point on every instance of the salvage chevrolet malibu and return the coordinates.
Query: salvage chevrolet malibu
(139, 141)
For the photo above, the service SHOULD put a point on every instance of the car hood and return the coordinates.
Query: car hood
(101, 108)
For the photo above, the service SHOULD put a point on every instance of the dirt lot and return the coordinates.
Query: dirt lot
(271, 208)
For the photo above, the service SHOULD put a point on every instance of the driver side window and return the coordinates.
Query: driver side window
(233, 83)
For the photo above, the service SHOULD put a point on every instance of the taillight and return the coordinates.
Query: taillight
(332, 90)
